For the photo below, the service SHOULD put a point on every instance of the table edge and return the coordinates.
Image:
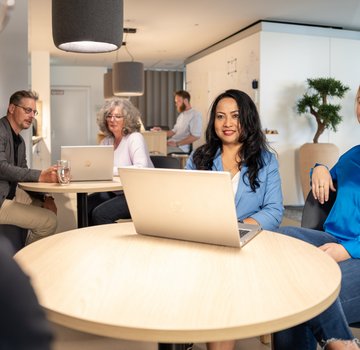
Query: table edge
(184, 335)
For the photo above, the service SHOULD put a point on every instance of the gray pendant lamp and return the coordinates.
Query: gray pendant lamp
(128, 78)
(108, 85)
(88, 26)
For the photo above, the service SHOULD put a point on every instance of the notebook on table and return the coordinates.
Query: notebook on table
(89, 163)
(184, 204)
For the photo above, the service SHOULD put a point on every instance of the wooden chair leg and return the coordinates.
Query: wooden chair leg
(265, 339)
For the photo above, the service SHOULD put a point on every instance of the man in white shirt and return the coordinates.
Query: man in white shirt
(188, 126)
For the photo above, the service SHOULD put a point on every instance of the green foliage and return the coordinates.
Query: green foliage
(306, 102)
(330, 115)
(315, 101)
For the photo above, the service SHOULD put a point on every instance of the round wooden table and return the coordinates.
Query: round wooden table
(81, 188)
(110, 281)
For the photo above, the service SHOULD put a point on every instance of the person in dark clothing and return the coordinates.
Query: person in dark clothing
(23, 325)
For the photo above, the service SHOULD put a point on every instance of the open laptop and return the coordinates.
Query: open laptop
(90, 163)
(185, 204)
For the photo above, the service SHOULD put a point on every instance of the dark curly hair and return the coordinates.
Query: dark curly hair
(252, 138)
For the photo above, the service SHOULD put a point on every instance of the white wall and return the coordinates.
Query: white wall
(234, 66)
(282, 57)
(345, 66)
(89, 77)
(14, 61)
(40, 81)
(287, 60)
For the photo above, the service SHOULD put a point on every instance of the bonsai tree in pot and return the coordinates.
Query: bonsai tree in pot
(316, 100)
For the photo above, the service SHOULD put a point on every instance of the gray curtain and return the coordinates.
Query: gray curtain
(157, 104)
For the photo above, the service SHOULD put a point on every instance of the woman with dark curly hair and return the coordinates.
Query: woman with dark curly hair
(236, 143)
(119, 120)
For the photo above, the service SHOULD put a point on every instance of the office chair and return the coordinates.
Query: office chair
(15, 235)
(166, 162)
(314, 216)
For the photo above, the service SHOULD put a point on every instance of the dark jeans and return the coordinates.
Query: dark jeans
(333, 322)
(107, 207)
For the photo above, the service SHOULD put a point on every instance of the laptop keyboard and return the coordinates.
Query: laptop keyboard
(242, 233)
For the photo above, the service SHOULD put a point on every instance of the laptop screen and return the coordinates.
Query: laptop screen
(182, 204)
(89, 163)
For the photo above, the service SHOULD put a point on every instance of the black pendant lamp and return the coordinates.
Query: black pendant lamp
(128, 78)
(89, 26)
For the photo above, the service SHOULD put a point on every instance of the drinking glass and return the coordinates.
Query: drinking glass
(63, 171)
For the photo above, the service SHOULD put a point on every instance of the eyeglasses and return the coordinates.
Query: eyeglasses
(28, 110)
(116, 116)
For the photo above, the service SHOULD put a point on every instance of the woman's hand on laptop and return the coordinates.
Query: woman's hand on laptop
(49, 175)
(250, 221)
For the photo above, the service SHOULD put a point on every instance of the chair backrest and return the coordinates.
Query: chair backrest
(314, 214)
(166, 162)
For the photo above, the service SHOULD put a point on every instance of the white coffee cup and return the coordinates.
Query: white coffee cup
(63, 171)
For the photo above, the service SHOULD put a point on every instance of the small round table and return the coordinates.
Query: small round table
(110, 281)
(81, 188)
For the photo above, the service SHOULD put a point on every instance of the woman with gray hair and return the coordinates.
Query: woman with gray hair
(119, 120)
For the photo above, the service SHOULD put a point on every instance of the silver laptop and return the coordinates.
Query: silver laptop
(183, 204)
(90, 163)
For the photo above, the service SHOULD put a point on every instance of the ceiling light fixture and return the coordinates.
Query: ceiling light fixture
(88, 26)
(108, 85)
(128, 77)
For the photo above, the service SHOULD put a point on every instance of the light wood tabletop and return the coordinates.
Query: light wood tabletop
(73, 187)
(110, 281)
(81, 188)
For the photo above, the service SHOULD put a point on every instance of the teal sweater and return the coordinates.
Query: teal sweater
(343, 221)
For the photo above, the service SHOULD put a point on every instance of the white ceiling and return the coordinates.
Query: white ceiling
(169, 31)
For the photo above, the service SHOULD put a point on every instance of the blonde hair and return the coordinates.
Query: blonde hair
(130, 113)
